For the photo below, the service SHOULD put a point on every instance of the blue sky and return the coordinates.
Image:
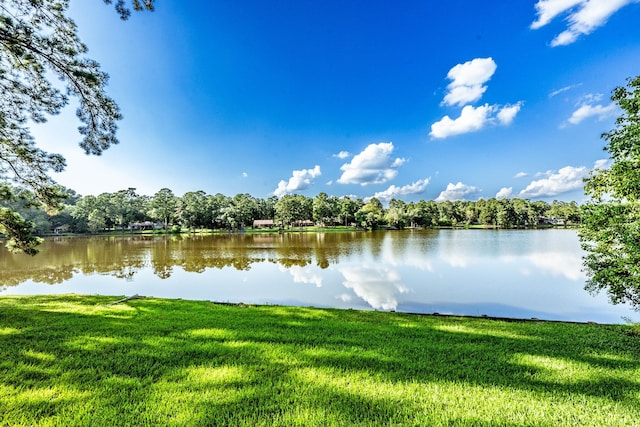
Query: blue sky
(416, 100)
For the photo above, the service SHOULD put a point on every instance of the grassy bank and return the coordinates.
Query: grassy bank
(71, 360)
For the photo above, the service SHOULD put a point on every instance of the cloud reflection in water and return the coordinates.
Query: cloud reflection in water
(303, 275)
(377, 285)
(558, 264)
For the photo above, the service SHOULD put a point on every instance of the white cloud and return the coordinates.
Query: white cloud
(471, 119)
(591, 98)
(245, 175)
(602, 164)
(584, 16)
(342, 155)
(374, 165)
(504, 193)
(521, 175)
(467, 81)
(466, 87)
(300, 180)
(563, 89)
(393, 191)
(457, 191)
(567, 179)
(586, 110)
(547, 10)
(507, 114)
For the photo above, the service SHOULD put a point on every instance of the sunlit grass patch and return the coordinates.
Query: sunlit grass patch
(9, 331)
(39, 356)
(489, 332)
(65, 360)
(554, 369)
(54, 405)
(304, 313)
(211, 376)
(211, 333)
(95, 343)
(441, 402)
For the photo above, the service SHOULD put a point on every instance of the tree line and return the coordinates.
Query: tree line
(125, 209)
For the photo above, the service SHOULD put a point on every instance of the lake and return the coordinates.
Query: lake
(504, 273)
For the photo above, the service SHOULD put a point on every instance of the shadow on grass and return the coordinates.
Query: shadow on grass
(157, 362)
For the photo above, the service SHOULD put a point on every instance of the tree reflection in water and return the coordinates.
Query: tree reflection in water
(124, 256)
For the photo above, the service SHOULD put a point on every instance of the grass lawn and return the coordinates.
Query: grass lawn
(78, 361)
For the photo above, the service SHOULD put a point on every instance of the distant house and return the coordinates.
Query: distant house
(303, 223)
(263, 223)
(551, 220)
(146, 225)
(64, 228)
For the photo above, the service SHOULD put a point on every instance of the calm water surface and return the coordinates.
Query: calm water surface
(519, 273)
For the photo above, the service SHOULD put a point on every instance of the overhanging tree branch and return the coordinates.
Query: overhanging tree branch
(36, 37)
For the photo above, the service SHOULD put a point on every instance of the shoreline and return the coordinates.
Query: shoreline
(120, 299)
(338, 229)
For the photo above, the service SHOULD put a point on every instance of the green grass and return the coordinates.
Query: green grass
(78, 361)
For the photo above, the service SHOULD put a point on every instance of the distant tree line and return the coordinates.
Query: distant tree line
(199, 210)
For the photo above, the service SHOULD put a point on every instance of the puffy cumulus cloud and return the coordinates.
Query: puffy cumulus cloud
(504, 193)
(507, 114)
(467, 81)
(374, 165)
(471, 119)
(521, 175)
(466, 87)
(457, 191)
(393, 191)
(587, 110)
(583, 16)
(300, 180)
(567, 179)
(342, 155)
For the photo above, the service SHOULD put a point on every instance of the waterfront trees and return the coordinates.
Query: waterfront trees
(163, 206)
(396, 216)
(197, 210)
(191, 210)
(347, 209)
(610, 231)
(127, 207)
(322, 209)
(293, 208)
(370, 215)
